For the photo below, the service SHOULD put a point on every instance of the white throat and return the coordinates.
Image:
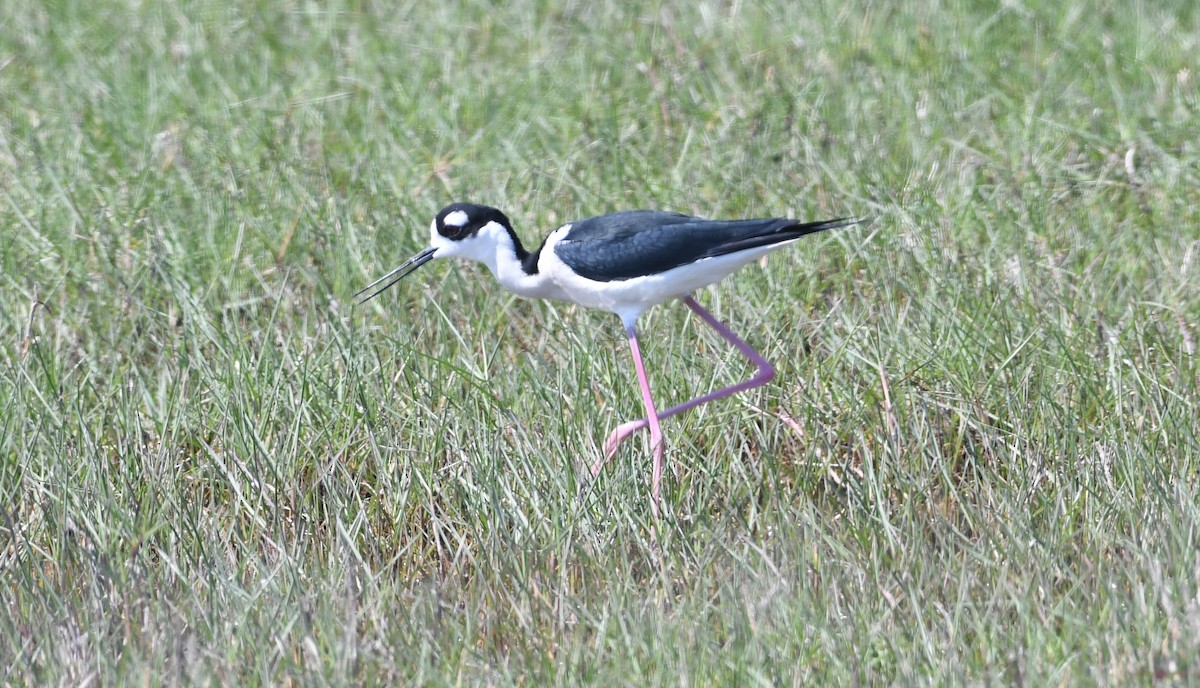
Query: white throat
(493, 246)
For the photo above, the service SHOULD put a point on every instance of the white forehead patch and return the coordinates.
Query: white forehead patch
(458, 218)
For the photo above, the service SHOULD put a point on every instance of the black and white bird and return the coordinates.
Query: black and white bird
(623, 262)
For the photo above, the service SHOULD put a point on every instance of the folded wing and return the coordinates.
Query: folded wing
(641, 242)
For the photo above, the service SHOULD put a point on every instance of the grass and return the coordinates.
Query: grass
(214, 470)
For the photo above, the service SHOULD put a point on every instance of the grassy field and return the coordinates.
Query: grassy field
(978, 464)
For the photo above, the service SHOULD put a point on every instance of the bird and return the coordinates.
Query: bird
(624, 262)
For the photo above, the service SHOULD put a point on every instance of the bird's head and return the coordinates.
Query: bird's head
(466, 230)
(462, 230)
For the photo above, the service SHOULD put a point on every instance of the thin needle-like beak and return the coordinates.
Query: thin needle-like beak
(404, 270)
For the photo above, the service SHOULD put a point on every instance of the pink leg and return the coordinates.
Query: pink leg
(766, 372)
(655, 431)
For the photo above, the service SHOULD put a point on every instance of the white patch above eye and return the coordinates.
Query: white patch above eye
(458, 218)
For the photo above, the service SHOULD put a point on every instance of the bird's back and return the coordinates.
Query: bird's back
(636, 243)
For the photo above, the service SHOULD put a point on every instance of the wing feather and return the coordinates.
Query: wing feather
(641, 242)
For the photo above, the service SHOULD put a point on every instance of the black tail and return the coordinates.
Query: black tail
(758, 233)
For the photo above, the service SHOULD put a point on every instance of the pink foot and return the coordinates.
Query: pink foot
(622, 433)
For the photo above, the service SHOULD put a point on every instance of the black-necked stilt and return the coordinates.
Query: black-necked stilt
(623, 262)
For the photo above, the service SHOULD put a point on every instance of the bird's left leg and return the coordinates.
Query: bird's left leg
(765, 373)
(651, 419)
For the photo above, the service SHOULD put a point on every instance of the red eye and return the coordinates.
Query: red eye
(451, 231)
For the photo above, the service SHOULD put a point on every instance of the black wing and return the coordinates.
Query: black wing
(641, 242)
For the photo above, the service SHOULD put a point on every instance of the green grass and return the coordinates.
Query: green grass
(213, 470)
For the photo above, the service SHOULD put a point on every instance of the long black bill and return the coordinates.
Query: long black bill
(395, 276)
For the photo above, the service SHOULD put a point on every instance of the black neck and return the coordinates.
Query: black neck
(529, 261)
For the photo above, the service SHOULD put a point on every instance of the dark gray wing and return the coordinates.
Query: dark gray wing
(642, 242)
